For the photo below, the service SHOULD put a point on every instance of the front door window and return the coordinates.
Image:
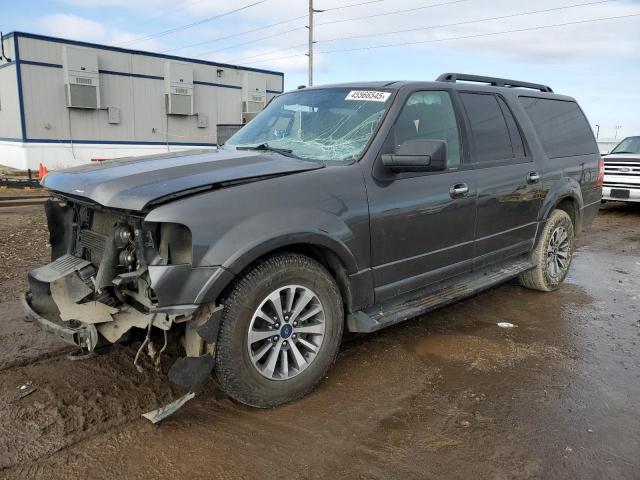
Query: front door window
(430, 116)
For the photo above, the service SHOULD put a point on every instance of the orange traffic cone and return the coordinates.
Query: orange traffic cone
(42, 171)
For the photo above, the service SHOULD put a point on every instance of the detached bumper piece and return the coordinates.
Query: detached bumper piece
(85, 336)
(41, 309)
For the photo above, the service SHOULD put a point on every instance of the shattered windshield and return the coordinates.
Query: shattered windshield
(331, 124)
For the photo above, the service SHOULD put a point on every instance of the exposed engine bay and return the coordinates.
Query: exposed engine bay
(98, 287)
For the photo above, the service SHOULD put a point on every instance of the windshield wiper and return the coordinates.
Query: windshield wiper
(264, 147)
(625, 151)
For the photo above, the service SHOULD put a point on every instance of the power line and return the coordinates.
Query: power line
(342, 7)
(467, 22)
(431, 27)
(233, 35)
(394, 12)
(402, 44)
(166, 12)
(251, 41)
(269, 52)
(190, 25)
(539, 27)
(325, 23)
(265, 27)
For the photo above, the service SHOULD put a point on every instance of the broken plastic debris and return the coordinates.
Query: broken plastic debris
(155, 416)
(25, 389)
(506, 325)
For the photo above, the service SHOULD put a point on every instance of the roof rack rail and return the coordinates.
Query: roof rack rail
(496, 82)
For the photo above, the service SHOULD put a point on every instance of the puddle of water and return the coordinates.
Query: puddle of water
(479, 353)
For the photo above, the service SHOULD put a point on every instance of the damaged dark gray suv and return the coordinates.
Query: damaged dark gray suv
(348, 207)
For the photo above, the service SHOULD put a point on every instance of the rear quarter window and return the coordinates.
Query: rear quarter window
(561, 126)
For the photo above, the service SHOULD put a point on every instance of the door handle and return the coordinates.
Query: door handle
(458, 190)
(533, 177)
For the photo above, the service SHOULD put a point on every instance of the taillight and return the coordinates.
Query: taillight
(600, 180)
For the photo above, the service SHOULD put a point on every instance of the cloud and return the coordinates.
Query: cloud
(138, 5)
(79, 28)
(63, 25)
(438, 27)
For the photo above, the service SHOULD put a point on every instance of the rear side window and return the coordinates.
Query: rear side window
(561, 126)
(514, 131)
(488, 127)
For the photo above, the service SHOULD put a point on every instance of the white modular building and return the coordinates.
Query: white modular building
(65, 102)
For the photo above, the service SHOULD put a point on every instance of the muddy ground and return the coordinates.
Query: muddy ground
(447, 395)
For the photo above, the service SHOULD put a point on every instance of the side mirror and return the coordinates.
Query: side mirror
(417, 156)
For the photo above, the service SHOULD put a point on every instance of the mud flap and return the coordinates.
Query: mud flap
(190, 372)
(209, 330)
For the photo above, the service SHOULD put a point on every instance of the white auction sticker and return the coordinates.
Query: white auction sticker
(368, 95)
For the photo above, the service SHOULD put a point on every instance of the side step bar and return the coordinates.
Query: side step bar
(422, 301)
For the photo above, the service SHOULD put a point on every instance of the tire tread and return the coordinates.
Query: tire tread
(227, 376)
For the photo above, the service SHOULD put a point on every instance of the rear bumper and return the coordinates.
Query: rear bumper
(634, 194)
(85, 336)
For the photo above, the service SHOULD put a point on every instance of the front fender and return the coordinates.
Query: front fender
(233, 226)
(259, 235)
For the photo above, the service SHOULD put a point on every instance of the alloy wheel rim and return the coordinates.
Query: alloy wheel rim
(286, 332)
(558, 251)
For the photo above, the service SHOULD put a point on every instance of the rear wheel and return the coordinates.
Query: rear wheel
(281, 329)
(552, 255)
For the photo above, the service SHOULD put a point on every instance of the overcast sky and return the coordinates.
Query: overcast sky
(598, 62)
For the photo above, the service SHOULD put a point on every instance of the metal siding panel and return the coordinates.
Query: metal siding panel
(230, 107)
(206, 101)
(274, 82)
(148, 110)
(44, 103)
(51, 52)
(40, 51)
(147, 65)
(117, 91)
(9, 107)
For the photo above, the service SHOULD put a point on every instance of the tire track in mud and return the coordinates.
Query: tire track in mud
(22, 342)
(232, 429)
(73, 401)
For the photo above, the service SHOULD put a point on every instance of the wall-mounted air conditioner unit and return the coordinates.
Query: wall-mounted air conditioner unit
(254, 93)
(81, 78)
(178, 79)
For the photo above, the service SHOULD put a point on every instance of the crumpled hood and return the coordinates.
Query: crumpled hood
(131, 183)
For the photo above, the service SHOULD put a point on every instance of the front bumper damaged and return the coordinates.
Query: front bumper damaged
(83, 336)
(55, 304)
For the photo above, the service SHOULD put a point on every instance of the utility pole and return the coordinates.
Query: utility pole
(310, 54)
(617, 127)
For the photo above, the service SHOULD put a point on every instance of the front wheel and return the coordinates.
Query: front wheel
(280, 331)
(552, 254)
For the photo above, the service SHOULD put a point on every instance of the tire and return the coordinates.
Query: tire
(547, 276)
(247, 308)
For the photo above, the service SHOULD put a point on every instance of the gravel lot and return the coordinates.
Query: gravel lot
(447, 395)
